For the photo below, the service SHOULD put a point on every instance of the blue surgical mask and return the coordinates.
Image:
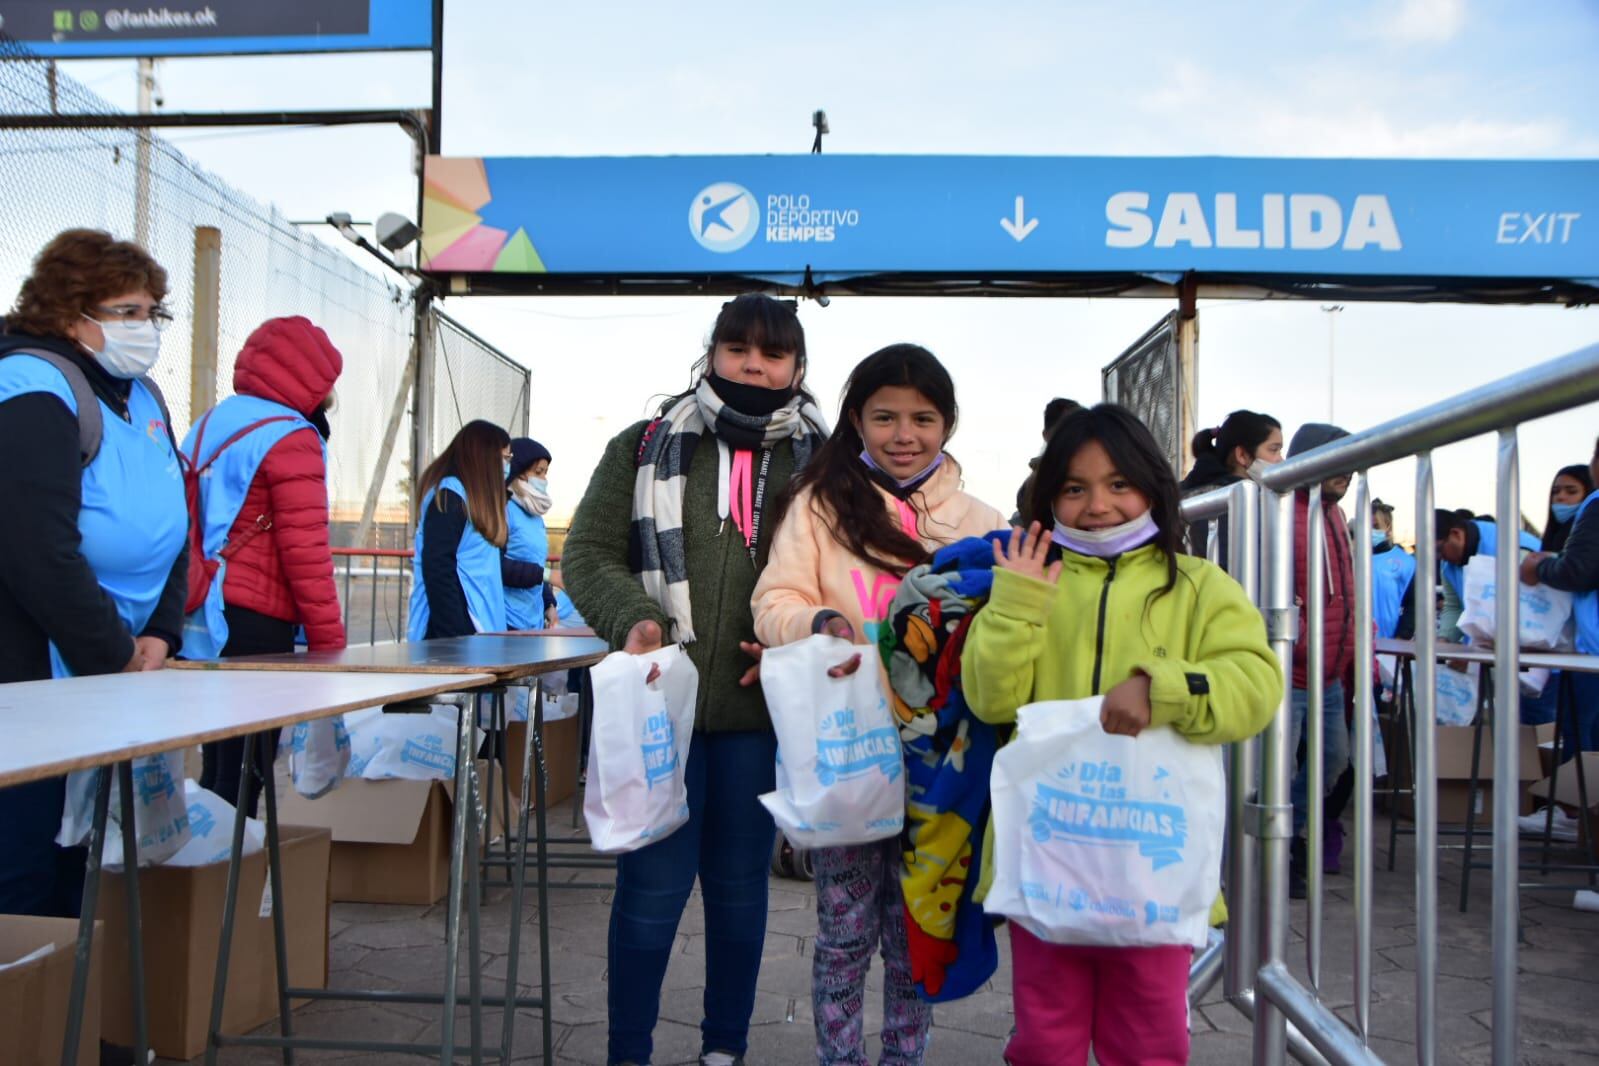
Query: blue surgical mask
(505, 466)
(1564, 512)
(1378, 538)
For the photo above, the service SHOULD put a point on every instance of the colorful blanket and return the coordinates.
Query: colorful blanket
(948, 756)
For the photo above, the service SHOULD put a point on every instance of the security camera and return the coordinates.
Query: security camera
(395, 231)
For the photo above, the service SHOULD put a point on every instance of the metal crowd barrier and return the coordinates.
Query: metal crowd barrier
(1290, 1017)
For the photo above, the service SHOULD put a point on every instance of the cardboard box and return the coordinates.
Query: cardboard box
(1454, 773)
(34, 994)
(391, 839)
(182, 908)
(561, 738)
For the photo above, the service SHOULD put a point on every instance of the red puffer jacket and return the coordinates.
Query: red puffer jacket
(1340, 585)
(286, 572)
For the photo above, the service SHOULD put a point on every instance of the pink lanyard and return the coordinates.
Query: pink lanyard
(741, 494)
(907, 517)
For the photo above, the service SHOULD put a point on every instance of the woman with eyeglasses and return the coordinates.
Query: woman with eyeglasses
(93, 563)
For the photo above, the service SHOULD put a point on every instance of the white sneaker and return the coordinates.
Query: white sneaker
(1563, 829)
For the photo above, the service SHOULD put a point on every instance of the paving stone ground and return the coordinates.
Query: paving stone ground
(389, 947)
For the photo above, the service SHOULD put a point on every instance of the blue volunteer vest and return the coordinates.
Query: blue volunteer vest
(1391, 573)
(566, 611)
(1585, 606)
(1487, 544)
(528, 542)
(477, 564)
(223, 488)
(132, 520)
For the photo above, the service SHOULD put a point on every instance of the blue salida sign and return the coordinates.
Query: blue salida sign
(843, 216)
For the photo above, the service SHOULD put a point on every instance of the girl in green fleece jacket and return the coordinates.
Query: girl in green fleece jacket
(1096, 598)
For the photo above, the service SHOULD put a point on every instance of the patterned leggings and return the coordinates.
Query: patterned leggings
(858, 908)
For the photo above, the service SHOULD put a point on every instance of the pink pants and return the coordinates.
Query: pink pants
(1130, 1004)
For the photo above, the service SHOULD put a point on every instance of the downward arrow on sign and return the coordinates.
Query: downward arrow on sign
(1021, 226)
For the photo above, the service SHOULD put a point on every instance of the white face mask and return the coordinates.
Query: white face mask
(1104, 543)
(1257, 469)
(532, 495)
(131, 348)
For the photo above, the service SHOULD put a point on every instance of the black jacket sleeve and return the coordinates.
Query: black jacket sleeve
(442, 526)
(1406, 629)
(520, 575)
(42, 568)
(549, 596)
(1576, 568)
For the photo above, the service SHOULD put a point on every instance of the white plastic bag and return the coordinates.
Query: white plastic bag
(160, 815)
(1534, 680)
(1457, 696)
(211, 830)
(840, 771)
(319, 755)
(1105, 840)
(1545, 612)
(638, 756)
(412, 747)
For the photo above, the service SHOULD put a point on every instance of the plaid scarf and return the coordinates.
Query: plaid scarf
(655, 542)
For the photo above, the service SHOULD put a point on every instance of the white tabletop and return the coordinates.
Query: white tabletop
(1547, 660)
(48, 728)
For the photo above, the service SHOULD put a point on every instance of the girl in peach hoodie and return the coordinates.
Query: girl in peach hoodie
(878, 498)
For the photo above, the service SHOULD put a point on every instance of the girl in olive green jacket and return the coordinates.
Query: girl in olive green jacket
(1095, 598)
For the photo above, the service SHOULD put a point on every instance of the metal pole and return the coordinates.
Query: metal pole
(1507, 754)
(518, 872)
(1242, 951)
(280, 940)
(1363, 752)
(219, 987)
(130, 884)
(436, 120)
(1275, 811)
(204, 323)
(141, 189)
(1314, 726)
(91, 898)
(1187, 368)
(380, 471)
(465, 728)
(422, 386)
(1424, 783)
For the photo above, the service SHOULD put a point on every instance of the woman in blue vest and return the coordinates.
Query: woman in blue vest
(1392, 571)
(529, 598)
(457, 585)
(1572, 485)
(93, 563)
(1576, 570)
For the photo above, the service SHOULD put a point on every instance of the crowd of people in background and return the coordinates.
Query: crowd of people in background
(735, 520)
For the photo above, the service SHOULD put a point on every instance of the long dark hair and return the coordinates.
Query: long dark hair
(474, 457)
(755, 319)
(842, 494)
(1140, 460)
(1242, 429)
(1555, 532)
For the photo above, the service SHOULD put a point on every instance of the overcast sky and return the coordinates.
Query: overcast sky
(1421, 78)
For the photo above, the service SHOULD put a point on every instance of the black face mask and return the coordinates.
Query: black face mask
(749, 399)
(319, 419)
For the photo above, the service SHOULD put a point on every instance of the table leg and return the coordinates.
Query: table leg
(130, 881)
(474, 916)
(505, 774)
(219, 986)
(519, 875)
(540, 812)
(452, 924)
(1484, 718)
(91, 897)
(585, 725)
(280, 941)
(496, 745)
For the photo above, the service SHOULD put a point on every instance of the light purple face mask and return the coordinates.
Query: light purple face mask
(904, 483)
(1105, 543)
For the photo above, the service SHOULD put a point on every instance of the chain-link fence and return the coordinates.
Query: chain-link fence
(474, 379)
(57, 179)
(1147, 379)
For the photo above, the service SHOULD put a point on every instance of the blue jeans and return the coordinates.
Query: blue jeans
(1542, 708)
(1334, 746)
(727, 842)
(1585, 697)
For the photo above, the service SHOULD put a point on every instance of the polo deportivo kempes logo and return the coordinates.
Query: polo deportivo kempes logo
(659, 748)
(1097, 813)
(724, 217)
(844, 752)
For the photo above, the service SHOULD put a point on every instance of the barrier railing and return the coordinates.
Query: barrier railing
(1294, 1018)
(385, 579)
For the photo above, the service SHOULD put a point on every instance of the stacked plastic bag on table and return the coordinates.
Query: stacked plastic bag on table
(1545, 615)
(1105, 840)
